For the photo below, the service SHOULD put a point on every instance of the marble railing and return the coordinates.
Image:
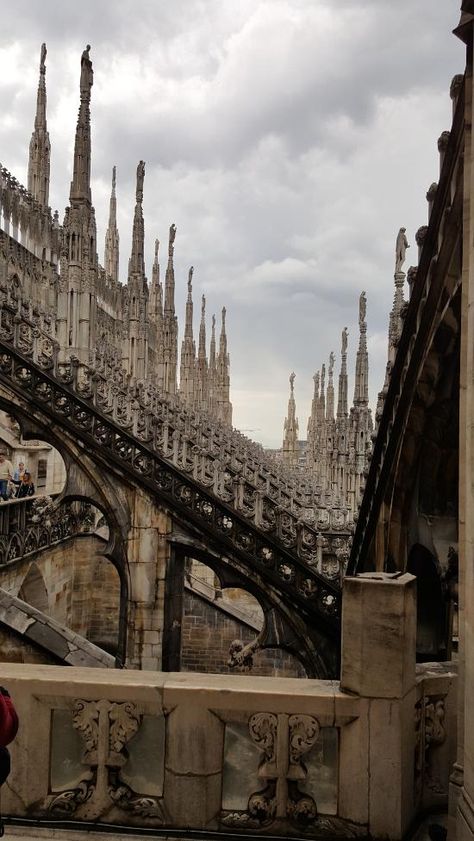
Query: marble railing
(35, 523)
(223, 753)
(26, 219)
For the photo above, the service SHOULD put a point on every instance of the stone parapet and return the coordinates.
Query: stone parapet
(203, 752)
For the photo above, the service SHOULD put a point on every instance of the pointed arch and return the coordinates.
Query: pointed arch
(33, 589)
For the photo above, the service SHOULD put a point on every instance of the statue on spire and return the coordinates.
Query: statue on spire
(171, 240)
(292, 381)
(362, 309)
(190, 278)
(43, 58)
(87, 74)
(140, 180)
(344, 342)
(400, 249)
(331, 364)
(203, 307)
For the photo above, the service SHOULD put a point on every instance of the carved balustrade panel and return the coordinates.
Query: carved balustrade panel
(294, 760)
(93, 773)
(431, 776)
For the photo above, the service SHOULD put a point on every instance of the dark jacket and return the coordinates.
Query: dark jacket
(25, 490)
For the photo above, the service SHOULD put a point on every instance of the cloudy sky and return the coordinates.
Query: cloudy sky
(287, 139)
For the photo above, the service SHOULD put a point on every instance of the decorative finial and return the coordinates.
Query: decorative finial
(344, 342)
(114, 179)
(43, 59)
(400, 249)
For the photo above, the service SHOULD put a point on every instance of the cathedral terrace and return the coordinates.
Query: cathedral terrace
(201, 635)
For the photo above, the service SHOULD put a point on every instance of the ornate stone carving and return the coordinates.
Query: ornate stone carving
(400, 249)
(119, 722)
(430, 733)
(67, 802)
(124, 723)
(85, 719)
(281, 769)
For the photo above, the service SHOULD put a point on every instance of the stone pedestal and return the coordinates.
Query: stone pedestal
(378, 663)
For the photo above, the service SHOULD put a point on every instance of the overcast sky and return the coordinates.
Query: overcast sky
(287, 139)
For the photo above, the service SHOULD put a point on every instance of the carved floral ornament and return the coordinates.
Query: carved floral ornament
(280, 806)
(105, 728)
(430, 734)
(283, 740)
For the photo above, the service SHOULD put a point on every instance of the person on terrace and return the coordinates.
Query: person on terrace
(18, 474)
(26, 486)
(6, 474)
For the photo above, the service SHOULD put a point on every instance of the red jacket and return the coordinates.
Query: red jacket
(8, 719)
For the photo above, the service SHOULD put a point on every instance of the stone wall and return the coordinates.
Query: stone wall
(74, 585)
(207, 632)
(14, 649)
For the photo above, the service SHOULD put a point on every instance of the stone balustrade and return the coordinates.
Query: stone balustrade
(218, 752)
(236, 754)
(26, 220)
(36, 523)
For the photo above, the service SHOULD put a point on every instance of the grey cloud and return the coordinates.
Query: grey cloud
(288, 140)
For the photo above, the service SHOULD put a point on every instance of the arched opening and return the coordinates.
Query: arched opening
(33, 590)
(42, 461)
(217, 622)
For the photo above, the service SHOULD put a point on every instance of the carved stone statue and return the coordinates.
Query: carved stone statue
(400, 249)
(43, 58)
(171, 239)
(292, 380)
(140, 180)
(87, 74)
(362, 309)
(331, 364)
(344, 341)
